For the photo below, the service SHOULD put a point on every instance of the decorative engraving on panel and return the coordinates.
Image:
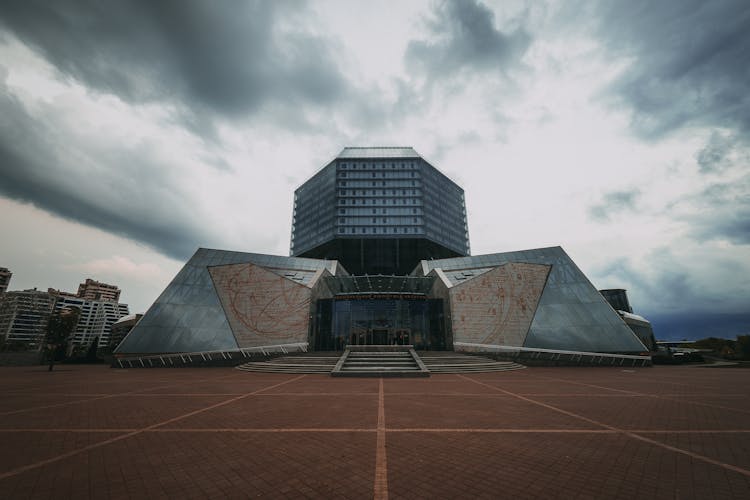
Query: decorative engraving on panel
(497, 307)
(262, 307)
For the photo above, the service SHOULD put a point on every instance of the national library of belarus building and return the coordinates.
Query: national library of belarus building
(380, 256)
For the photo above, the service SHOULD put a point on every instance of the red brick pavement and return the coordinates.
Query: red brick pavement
(93, 432)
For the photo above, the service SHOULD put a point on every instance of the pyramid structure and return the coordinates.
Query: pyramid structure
(536, 299)
(222, 301)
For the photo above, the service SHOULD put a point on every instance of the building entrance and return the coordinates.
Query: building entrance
(387, 319)
(380, 336)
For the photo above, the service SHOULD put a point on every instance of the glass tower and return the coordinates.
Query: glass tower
(379, 210)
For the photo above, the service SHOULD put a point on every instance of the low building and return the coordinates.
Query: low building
(618, 299)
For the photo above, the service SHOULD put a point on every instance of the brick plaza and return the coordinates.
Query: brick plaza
(95, 432)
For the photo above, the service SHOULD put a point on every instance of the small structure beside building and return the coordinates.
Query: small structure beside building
(121, 328)
(618, 299)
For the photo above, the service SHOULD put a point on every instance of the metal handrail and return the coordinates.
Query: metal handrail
(207, 355)
(490, 347)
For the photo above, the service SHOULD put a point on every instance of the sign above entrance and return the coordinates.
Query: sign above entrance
(381, 296)
(379, 284)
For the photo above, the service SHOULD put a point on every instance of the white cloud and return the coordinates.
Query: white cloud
(117, 267)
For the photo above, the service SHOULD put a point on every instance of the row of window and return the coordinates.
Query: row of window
(384, 211)
(380, 220)
(380, 201)
(381, 230)
(377, 165)
(372, 175)
(365, 184)
(377, 192)
(372, 192)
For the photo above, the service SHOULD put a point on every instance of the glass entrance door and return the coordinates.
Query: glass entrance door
(380, 336)
(381, 321)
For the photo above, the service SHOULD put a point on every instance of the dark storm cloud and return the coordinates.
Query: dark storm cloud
(665, 287)
(675, 301)
(721, 211)
(230, 58)
(121, 191)
(689, 62)
(613, 203)
(464, 37)
(691, 326)
(718, 153)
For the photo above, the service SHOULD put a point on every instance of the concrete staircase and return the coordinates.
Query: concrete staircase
(320, 362)
(380, 361)
(453, 362)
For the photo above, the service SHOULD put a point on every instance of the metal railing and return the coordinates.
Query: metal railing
(187, 358)
(540, 354)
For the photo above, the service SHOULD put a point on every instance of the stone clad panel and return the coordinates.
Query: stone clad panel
(262, 307)
(497, 307)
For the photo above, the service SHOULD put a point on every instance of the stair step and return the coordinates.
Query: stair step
(387, 363)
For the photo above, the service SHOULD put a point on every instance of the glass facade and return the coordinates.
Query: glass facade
(188, 315)
(313, 215)
(379, 212)
(571, 315)
(369, 194)
(387, 319)
(618, 299)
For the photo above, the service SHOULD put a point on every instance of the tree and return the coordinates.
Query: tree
(743, 346)
(91, 353)
(61, 324)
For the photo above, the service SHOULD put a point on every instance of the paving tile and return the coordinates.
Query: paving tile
(436, 384)
(460, 412)
(14, 403)
(226, 385)
(543, 386)
(296, 412)
(125, 412)
(23, 448)
(506, 448)
(446, 465)
(215, 465)
(730, 448)
(649, 413)
(325, 384)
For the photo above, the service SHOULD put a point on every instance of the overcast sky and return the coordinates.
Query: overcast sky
(134, 132)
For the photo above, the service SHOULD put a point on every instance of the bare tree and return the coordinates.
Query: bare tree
(61, 324)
